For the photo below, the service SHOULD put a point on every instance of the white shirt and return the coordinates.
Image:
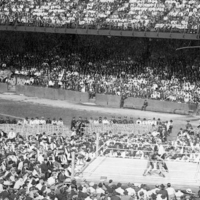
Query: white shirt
(160, 198)
(161, 149)
(11, 135)
(171, 191)
(40, 158)
(60, 123)
(20, 165)
(1, 188)
(105, 121)
(131, 191)
(39, 186)
(100, 191)
(120, 191)
(92, 190)
(153, 191)
(18, 183)
(42, 121)
(145, 193)
(51, 181)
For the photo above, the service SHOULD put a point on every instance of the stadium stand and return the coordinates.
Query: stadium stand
(131, 77)
(150, 15)
(36, 154)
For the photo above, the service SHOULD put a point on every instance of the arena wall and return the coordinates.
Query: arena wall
(3, 87)
(108, 100)
(161, 106)
(51, 93)
(113, 101)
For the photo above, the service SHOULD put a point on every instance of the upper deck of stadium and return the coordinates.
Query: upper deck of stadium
(155, 18)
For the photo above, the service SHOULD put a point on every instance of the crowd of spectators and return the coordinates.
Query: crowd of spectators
(32, 121)
(150, 15)
(144, 85)
(185, 147)
(94, 69)
(40, 166)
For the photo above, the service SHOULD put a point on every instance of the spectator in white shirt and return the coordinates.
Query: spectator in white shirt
(119, 189)
(99, 189)
(54, 121)
(31, 122)
(60, 122)
(42, 121)
(171, 192)
(96, 121)
(26, 121)
(12, 135)
(36, 121)
(131, 190)
(105, 121)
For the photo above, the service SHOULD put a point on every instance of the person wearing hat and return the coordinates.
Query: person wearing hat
(188, 192)
(163, 191)
(81, 194)
(145, 104)
(188, 125)
(108, 186)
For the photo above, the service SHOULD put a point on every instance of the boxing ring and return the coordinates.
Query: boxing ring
(181, 175)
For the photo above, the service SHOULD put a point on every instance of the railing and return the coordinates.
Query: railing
(119, 128)
(143, 154)
(26, 130)
(108, 31)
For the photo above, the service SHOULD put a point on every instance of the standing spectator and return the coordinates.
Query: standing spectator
(145, 105)
(163, 191)
(60, 122)
(171, 191)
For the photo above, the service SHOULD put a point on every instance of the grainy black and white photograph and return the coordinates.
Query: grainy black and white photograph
(99, 99)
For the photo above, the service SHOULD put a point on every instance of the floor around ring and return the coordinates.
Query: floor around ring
(181, 174)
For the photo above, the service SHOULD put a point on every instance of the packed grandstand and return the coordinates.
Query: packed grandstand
(150, 15)
(107, 66)
(42, 158)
